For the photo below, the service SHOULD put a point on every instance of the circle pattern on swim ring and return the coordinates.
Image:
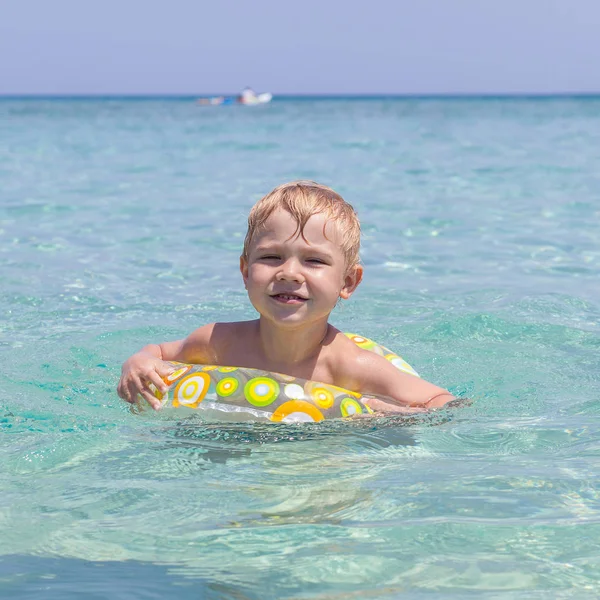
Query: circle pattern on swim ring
(310, 387)
(362, 342)
(294, 391)
(261, 391)
(295, 411)
(323, 397)
(177, 374)
(400, 363)
(190, 390)
(349, 407)
(227, 387)
(228, 369)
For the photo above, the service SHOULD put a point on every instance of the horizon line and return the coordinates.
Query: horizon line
(302, 96)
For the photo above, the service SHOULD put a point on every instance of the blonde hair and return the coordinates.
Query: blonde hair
(303, 199)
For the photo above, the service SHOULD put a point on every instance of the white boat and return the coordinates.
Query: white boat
(257, 99)
(245, 98)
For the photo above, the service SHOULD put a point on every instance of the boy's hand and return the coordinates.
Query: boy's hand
(138, 372)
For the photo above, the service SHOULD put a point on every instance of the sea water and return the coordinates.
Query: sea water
(121, 223)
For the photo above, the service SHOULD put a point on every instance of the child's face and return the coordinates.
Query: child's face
(293, 280)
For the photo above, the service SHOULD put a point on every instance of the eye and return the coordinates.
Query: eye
(317, 261)
(269, 257)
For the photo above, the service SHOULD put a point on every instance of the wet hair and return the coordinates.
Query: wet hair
(303, 199)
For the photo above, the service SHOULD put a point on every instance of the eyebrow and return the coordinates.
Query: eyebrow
(312, 249)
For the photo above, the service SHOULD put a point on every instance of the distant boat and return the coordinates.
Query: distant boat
(245, 99)
(258, 99)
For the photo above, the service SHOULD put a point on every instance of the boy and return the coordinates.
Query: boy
(300, 257)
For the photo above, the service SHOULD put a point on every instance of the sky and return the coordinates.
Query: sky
(299, 47)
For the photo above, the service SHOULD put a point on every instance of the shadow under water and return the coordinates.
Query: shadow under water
(53, 578)
(221, 442)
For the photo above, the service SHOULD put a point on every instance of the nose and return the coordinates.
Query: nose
(290, 271)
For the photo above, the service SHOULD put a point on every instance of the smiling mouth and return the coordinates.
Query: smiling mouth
(289, 298)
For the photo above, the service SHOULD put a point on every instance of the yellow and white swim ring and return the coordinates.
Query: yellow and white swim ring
(253, 394)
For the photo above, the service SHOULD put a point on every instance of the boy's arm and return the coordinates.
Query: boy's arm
(371, 374)
(148, 365)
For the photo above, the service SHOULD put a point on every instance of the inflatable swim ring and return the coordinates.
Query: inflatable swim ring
(261, 395)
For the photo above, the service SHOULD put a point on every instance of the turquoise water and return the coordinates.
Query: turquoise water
(121, 223)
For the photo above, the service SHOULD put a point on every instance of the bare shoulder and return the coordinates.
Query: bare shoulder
(346, 360)
(350, 362)
(215, 344)
(211, 344)
(195, 348)
(369, 373)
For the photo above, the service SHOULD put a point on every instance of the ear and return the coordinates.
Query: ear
(244, 270)
(351, 280)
